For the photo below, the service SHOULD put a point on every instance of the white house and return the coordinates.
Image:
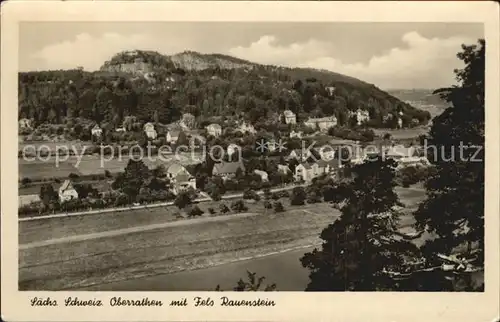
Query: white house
(308, 171)
(263, 175)
(405, 155)
(67, 191)
(181, 179)
(322, 123)
(172, 136)
(246, 128)
(232, 148)
(214, 129)
(290, 117)
(96, 131)
(299, 155)
(175, 169)
(150, 131)
(188, 121)
(361, 116)
(25, 124)
(283, 168)
(330, 90)
(227, 170)
(326, 153)
(295, 134)
(400, 123)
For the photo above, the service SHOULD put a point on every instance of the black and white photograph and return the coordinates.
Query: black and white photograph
(264, 156)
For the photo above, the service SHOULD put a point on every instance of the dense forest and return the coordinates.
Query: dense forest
(153, 87)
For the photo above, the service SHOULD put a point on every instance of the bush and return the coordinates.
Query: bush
(267, 205)
(195, 212)
(73, 176)
(211, 210)
(223, 208)
(298, 196)
(278, 207)
(25, 181)
(239, 206)
(251, 194)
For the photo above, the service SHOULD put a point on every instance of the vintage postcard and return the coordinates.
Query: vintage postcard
(250, 161)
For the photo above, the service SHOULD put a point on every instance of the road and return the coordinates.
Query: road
(154, 205)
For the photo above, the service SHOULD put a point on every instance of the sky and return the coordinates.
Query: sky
(389, 55)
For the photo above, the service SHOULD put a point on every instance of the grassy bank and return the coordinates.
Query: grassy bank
(78, 264)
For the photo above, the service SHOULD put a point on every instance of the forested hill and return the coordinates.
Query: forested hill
(159, 88)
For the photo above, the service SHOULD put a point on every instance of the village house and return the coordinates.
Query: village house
(359, 155)
(121, 129)
(290, 117)
(361, 116)
(330, 90)
(263, 175)
(246, 128)
(295, 134)
(299, 155)
(197, 140)
(283, 169)
(227, 170)
(180, 178)
(96, 131)
(232, 148)
(183, 182)
(322, 123)
(271, 145)
(308, 171)
(172, 136)
(25, 124)
(214, 129)
(400, 123)
(150, 131)
(188, 121)
(405, 155)
(67, 191)
(326, 153)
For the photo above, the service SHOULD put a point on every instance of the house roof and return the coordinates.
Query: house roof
(175, 169)
(214, 126)
(67, 184)
(260, 172)
(400, 151)
(182, 177)
(174, 133)
(228, 167)
(289, 113)
(321, 119)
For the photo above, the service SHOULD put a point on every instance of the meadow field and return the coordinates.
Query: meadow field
(92, 164)
(50, 250)
(194, 245)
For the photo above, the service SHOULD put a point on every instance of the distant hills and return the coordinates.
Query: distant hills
(150, 86)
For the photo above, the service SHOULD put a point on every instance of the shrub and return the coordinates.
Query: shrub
(239, 206)
(73, 176)
(267, 205)
(195, 212)
(298, 196)
(278, 207)
(211, 210)
(223, 208)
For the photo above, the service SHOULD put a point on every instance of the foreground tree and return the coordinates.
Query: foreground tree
(361, 247)
(454, 208)
(253, 284)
